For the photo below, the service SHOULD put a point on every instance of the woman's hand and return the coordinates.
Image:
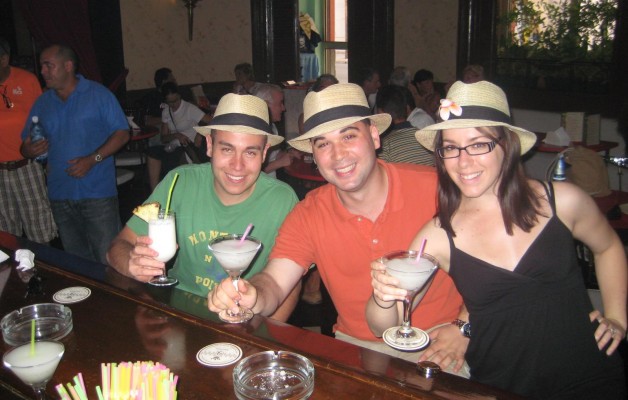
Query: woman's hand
(609, 332)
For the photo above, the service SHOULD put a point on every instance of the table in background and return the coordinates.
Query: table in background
(604, 146)
(124, 320)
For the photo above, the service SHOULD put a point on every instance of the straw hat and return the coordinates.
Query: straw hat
(335, 107)
(474, 105)
(241, 114)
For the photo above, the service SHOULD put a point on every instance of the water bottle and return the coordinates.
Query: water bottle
(37, 134)
(559, 172)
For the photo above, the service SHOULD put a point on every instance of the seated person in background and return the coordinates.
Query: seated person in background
(273, 96)
(215, 198)
(151, 104)
(244, 79)
(369, 80)
(178, 119)
(424, 82)
(368, 209)
(508, 243)
(398, 142)
(431, 106)
(473, 73)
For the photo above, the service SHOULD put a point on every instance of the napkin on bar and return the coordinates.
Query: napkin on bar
(3, 256)
(132, 124)
(559, 137)
(25, 258)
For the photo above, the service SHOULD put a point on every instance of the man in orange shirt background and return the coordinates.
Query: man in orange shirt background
(24, 205)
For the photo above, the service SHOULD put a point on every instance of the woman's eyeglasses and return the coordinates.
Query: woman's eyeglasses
(474, 149)
(6, 99)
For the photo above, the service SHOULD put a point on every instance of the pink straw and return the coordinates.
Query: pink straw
(246, 233)
(420, 253)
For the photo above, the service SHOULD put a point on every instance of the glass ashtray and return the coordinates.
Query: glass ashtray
(274, 375)
(52, 322)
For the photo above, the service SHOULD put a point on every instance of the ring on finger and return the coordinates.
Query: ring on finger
(613, 331)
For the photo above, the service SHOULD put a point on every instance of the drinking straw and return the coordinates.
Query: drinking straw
(420, 253)
(246, 233)
(99, 393)
(62, 392)
(176, 175)
(32, 337)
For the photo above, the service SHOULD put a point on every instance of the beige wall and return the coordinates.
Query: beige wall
(426, 34)
(155, 34)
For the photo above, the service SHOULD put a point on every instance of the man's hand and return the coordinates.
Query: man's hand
(447, 345)
(142, 263)
(226, 297)
(32, 150)
(79, 167)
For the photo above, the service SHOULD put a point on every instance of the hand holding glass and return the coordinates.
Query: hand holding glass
(36, 368)
(414, 275)
(162, 231)
(235, 256)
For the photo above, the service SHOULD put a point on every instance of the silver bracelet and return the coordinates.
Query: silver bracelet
(379, 305)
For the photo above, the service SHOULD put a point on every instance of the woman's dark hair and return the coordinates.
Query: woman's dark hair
(518, 202)
(169, 88)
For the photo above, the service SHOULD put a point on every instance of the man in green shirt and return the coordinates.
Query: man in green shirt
(221, 197)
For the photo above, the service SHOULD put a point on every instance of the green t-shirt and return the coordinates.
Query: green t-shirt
(200, 216)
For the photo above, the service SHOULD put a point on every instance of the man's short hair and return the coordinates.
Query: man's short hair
(66, 53)
(423, 75)
(168, 88)
(366, 74)
(265, 91)
(321, 80)
(393, 100)
(161, 75)
(5, 48)
(246, 69)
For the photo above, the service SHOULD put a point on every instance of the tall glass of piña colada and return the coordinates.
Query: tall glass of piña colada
(162, 230)
(235, 256)
(414, 275)
(35, 366)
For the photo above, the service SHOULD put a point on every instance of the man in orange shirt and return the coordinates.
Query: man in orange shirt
(24, 205)
(369, 208)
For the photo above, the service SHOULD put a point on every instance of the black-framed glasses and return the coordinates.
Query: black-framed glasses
(474, 149)
(6, 99)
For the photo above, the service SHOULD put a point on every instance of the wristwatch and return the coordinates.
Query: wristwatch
(464, 326)
(97, 157)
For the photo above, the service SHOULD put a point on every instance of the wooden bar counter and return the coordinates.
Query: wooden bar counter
(124, 320)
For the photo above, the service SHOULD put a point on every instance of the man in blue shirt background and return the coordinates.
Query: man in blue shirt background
(85, 127)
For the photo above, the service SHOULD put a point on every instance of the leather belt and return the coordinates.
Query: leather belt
(13, 165)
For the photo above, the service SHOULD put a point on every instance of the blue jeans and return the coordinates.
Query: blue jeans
(88, 226)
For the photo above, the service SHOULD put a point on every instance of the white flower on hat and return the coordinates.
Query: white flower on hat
(446, 107)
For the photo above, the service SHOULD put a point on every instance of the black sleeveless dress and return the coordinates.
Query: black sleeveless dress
(530, 328)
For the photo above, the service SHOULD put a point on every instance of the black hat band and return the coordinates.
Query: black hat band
(333, 114)
(241, 119)
(481, 112)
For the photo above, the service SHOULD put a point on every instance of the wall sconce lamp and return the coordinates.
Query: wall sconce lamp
(190, 4)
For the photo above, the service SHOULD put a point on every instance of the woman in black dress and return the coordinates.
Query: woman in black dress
(508, 243)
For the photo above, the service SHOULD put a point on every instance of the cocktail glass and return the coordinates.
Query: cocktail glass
(162, 230)
(37, 368)
(235, 256)
(414, 275)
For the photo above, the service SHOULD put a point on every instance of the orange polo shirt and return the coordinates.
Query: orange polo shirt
(320, 230)
(22, 88)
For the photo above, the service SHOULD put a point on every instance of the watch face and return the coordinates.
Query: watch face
(466, 330)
